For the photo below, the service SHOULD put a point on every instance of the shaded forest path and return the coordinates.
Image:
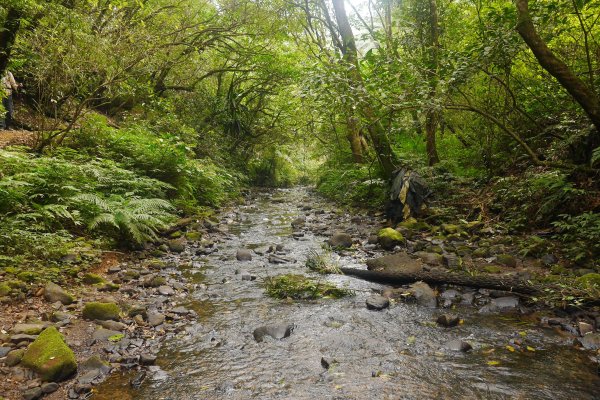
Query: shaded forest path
(396, 353)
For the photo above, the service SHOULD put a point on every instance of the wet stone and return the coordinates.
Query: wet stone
(33, 393)
(4, 351)
(243, 255)
(49, 387)
(377, 303)
(458, 345)
(155, 318)
(166, 290)
(448, 320)
(591, 341)
(503, 303)
(147, 359)
(276, 331)
(584, 328)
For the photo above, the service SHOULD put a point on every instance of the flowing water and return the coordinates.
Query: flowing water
(397, 353)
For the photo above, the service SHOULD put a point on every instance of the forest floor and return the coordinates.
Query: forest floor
(15, 137)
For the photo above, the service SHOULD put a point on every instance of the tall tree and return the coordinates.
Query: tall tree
(583, 94)
(377, 133)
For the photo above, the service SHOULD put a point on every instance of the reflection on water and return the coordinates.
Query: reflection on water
(394, 354)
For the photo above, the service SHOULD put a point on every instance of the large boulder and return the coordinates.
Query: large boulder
(101, 311)
(340, 239)
(389, 238)
(50, 357)
(54, 293)
(395, 262)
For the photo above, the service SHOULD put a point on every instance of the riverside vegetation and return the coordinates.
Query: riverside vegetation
(144, 122)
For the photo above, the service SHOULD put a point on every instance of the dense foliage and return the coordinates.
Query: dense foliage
(146, 109)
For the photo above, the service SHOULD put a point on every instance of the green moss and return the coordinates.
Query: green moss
(194, 236)
(492, 269)
(4, 289)
(592, 279)
(481, 252)
(507, 260)
(414, 225)
(451, 229)
(559, 270)
(299, 287)
(16, 284)
(92, 279)
(101, 311)
(391, 234)
(50, 356)
(27, 276)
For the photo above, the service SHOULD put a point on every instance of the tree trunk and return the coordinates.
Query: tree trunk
(8, 34)
(353, 136)
(432, 117)
(442, 277)
(377, 133)
(583, 94)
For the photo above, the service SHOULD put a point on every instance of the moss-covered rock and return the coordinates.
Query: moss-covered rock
(50, 357)
(592, 279)
(92, 279)
(492, 269)
(101, 311)
(4, 289)
(451, 228)
(481, 252)
(14, 357)
(54, 293)
(27, 276)
(413, 224)
(388, 238)
(506, 260)
(193, 236)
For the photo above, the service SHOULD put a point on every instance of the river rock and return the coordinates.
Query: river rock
(4, 351)
(22, 337)
(49, 387)
(243, 255)
(340, 239)
(275, 259)
(102, 334)
(14, 357)
(155, 318)
(276, 331)
(166, 290)
(94, 362)
(395, 262)
(377, 302)
(50, 356)
(113, 325)
(299, 222)
(29, 329)
(430, 258)
(548, 260)
(458, 345)
(448, 320)
(584, 328)
(591, 341)
(373, 239)
(504, 303)
(54, 293)
(33, 393)
(423, 294)
(147, 359)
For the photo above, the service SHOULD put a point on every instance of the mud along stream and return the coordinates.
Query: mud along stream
(396, 353)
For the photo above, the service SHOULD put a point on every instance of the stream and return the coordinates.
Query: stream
(397, 353)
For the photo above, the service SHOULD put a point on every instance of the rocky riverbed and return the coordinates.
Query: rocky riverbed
(190, 319)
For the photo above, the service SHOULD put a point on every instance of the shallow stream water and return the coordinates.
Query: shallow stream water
(398, 353)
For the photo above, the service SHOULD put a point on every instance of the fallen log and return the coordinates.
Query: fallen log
(508, 284)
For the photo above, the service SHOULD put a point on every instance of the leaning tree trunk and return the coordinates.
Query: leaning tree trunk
(432, 115)
(8, 34)
(379, 139)
(441, 277)
(582, 93)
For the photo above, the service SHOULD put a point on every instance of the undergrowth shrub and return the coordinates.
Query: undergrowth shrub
(352, 185)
